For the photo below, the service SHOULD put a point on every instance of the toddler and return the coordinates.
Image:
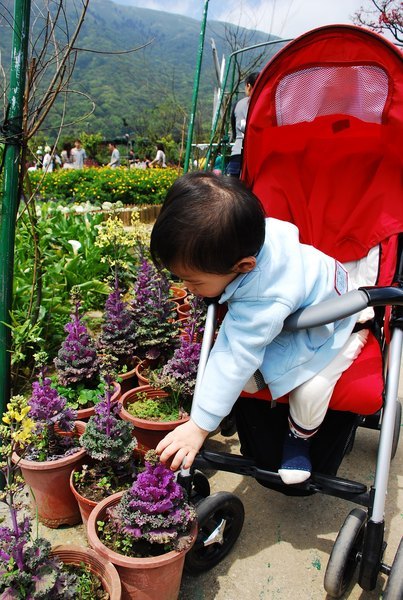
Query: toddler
(212, 233)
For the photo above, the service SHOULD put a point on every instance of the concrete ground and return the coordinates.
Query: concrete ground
(285, 542)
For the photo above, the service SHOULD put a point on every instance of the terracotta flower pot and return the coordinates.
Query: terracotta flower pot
(98, 565)
(148, 433)
(83, 414)
(50, 484)
(183, 311)
(140, 370)
(128, 380)
(153, 578)
(85, 505)
(178, 294)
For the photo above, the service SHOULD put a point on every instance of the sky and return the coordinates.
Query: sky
(284, 18)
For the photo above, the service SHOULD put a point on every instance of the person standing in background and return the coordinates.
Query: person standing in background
(115, 156)
(160, 158)
(238, 122)
(78, 155)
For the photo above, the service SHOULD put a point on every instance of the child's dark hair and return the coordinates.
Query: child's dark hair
(207, 223)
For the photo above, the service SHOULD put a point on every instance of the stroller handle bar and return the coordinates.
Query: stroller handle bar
(312, 316)
(343, 306)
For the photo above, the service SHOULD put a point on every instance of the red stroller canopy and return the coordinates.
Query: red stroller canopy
(324, 136)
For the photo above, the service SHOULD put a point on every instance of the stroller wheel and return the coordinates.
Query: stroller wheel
(344, 557)
(396, 431)
(220, 519)
(200, 487)
(394, 586)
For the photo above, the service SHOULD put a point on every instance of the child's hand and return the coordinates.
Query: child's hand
(183, 443)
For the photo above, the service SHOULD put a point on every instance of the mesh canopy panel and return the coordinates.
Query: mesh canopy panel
(357, 90)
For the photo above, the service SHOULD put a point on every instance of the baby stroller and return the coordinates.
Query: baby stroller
(322, 149)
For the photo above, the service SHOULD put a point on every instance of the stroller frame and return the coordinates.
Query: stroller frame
(360, 541)
(364, 531)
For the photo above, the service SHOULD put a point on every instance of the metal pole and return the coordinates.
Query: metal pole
(13, 133)
(195, 89)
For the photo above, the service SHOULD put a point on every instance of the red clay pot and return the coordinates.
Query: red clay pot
(85, 505)
(50, 484)
(83, 414)
(154, 578)
(178, 294)
(99, 566)
(148, 433)
(128, 380)
(183, 311)
(140, 368)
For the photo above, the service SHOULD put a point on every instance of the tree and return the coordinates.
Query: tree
(386, 16)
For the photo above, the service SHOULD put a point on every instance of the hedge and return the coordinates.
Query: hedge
(98, 185)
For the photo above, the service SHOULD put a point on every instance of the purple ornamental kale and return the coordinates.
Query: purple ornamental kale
(48, 407)
(107, 437)
(154, 508)
(51, 415)
(77, 360)
(118, 336)
(153, 311)
(182, 367)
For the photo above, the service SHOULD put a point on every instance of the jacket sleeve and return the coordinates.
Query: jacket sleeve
(238, 352)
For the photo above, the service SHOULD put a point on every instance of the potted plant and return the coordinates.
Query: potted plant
(154, 314)
(109, 443)
(145, 532)
(118, 336)
(53, 452)
(159, 407)
(78, 366)
(29, 569)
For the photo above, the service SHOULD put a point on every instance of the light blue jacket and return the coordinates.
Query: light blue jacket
(288, 276)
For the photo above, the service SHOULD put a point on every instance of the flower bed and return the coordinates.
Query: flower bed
(130, 186)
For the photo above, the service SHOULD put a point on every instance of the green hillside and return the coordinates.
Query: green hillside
(146, 93)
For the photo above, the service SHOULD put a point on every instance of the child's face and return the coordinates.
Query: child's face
(208, 285)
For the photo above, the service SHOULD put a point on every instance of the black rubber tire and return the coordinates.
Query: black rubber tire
(343, 558)
(200, 487)
(394, 586)
(396, 431)
(210, 513)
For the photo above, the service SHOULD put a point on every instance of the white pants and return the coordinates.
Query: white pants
(309, 401)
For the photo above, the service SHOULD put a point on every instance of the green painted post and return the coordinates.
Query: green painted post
(195, 89)
(9, 206)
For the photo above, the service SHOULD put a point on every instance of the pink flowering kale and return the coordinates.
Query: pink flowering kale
(118, 337)
(77, 360)
(154, 509)
(153, 312)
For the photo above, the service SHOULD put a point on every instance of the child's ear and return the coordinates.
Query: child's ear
(245, 265)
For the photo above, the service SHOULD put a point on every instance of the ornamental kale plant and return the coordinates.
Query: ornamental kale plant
(109, 441)
(178, 376)
(153, 313)
(27, 569)
(152, 516)
(51, 416)
(118, 336)
(77, 360)
(108, 438)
